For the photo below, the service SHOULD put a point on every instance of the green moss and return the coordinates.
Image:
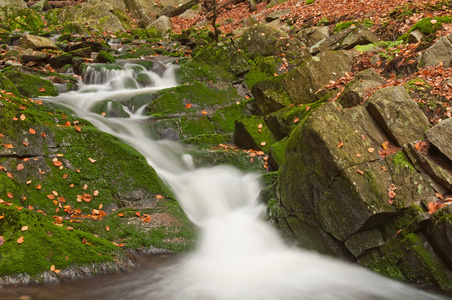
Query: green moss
(23, 19)
(255, 132)
(237, 158)
(46, 244)
(195, 126)
(427, 27)
(278, 151)
(143, 50)
(341, 26)
(309, 2)
(224, 118)
(105, 57)
(209, 139)
(264, 69)
(401, 161)
(30, 85)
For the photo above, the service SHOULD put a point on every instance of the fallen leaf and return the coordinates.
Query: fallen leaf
(385, 145)
(20, 240)
(20, 167)
(438, 195)
(341, 143)
(32, 131)
(69, 228)
(263, 143)
(371, 150)
(107, 228)
(358, 155)
(91, 160)
(77, 128)
(359, 171)
(96, 193)
(42, 89)
(188, 105)
(260, 126)
(137, 213)
(87, 197)
(158, 196)
(392, 194)
(296, 120)
(38, 187)
(203, 112)
(147, 219)
(120, 215)
(22, 117)
(10, 175)
(52, 268)
(10, 195)
(57, 163)
(2, 240)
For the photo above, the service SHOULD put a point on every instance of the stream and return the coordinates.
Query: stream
(239, 255)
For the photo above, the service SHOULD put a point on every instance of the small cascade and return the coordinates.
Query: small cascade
(239, 255)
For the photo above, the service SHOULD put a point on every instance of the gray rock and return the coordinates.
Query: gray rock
(355, 91)
(439, 52)
(270, 96)
(306, 83)
(162, 24)
(37, 42)
(415, 36)
(441, 236)
(41, 6)
(440, 136)
(313, 35)
(360, 242)
(346, 39)
(397, 114)
(277, 15)
(175, 10)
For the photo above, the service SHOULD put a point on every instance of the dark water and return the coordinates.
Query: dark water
(96, 287)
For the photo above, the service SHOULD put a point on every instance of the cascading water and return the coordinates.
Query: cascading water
(239, 256)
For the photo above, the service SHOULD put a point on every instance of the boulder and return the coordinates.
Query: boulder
(7, 85)
(397, 114)
(37, 42)
(356, 90)
(306, 83)
(261, 40)
(60, 60)
(270, 96)
(311, 36)
(177, 9)
(81, 52)
(33, 56)
(251, 132)
(363, 241)
(41, 5)
(441, 234)
(346, 39)
(439, 52)
(277, 15)
(163, 25)
(95, 46)
(440, 136)
(31, 85)
(337, 174)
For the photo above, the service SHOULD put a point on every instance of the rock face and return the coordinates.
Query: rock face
(13, 3)
(163, 25)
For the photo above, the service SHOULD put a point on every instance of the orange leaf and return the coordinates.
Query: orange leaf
(20, 167)
(2, 240)
(147, 219)
(38, 187)
(188, 105)
(57, 163)
(22, 117)
(20, 240)
(32, 131)
(10, 195)
(392, 194)
(137, 213)
(43, 134)
(203, 112)
(371, 150)
(77, 128)
(9, 175)
(120, 215)
(107, 228)
(341, 143)
(296, 120)
(87, 197)
(42, 89)
(360, 172)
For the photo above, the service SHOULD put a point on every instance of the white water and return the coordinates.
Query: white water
(239, 256)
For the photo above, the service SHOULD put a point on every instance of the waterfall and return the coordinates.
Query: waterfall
(239, 255)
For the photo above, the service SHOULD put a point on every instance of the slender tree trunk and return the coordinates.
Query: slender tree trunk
(214, 20)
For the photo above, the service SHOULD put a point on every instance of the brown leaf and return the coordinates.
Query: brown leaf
(341, 143)
(20, 240)
(370, 150)
(392, 194)
(359, 171)
(57, 163)
(438, 195)
(32, 131)
(2, 240)
(137, 213)
(22, 117)
(203, 112)
(20, 167)
(24, 228)
(87, 197)
(188, 105)
(42, 89)
(107, 228)
(120, 215)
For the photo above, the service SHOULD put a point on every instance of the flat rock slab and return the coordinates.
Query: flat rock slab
(440, 136)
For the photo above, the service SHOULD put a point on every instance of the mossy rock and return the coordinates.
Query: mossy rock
(199, 97)
(224, 118)
(31, 85)
(7, 85)
(51, 161)
(193, 71)
(265, 68)
(143, 50)
(46, 244)
(251, 132)
(24, 19)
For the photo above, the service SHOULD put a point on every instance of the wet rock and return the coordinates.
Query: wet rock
(439, 52)
(81, 52)
(40, 6)
(33, 56)
(37, 42)
(59, 61)
(95, 46)
(356, 90)
(175, 10)
(251, 132)
(441, 234)
(262, 40)
(440, 136)
(306, 83)
(397, 114)
(7, 85)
